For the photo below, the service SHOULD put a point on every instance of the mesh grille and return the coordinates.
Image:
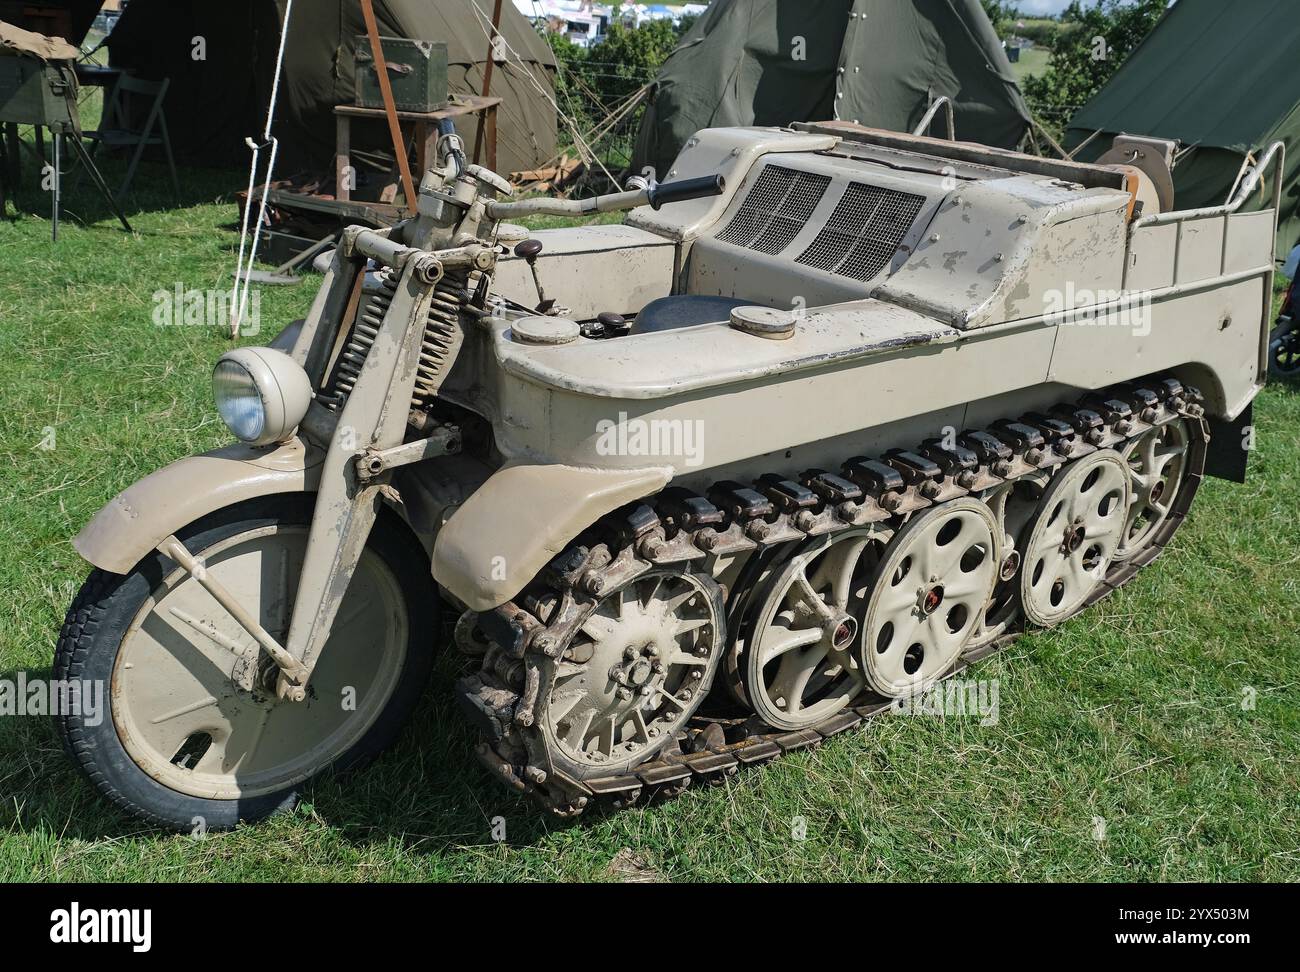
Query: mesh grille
(864, 231)
(776, 209)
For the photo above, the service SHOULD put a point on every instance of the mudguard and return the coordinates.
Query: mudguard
(147, 512)
(522, 517)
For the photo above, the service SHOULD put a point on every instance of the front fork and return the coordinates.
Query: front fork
(364, 444)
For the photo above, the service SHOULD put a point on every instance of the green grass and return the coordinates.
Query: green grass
(1130, 713)
(1033, 61)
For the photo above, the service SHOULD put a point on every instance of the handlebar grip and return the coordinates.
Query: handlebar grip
(446, 126)
(684, 189)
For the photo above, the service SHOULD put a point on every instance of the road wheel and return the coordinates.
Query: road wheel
(195, 736)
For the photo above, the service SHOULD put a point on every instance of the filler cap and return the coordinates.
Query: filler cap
(765, 322)
(545, 330)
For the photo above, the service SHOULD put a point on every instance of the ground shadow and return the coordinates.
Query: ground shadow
(151, 190)
(428, 792)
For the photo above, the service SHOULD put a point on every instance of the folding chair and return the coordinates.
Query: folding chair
(115, 129)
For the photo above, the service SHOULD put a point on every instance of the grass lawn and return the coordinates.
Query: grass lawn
(1131, 714)
(1033, 61)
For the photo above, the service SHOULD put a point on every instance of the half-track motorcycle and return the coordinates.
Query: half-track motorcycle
(832, 414)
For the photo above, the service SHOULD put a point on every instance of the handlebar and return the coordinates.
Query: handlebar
(654, 196)
(684, 189)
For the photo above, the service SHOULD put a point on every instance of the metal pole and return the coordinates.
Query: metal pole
(390, 106)
(487, 80)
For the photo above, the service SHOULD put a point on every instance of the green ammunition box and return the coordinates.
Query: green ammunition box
(33, 92)
(417, 70)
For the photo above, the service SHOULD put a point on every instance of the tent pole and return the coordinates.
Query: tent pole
(390, 107)
(487, 78)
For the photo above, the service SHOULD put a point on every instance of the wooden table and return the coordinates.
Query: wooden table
(426, 134)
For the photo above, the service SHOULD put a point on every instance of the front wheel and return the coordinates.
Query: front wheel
(194, 735)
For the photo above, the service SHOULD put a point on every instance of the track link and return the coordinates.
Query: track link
(678, 526)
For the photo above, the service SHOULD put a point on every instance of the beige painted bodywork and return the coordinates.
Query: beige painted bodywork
(957, 329)
(138, 519)
(522, 517)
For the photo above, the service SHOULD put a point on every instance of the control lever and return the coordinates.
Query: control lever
(528, 250)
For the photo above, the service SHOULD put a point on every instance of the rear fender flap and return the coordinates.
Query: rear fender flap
(524, 515)
(144, 514)
(1230, 443)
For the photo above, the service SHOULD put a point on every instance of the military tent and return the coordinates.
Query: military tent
(221, 58)
(1222, 79)
(877, 62)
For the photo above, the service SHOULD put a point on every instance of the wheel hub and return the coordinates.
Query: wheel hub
(931, 599)
(1074, 537)
(843, 631)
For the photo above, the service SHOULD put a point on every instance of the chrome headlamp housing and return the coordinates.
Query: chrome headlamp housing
(261, 394)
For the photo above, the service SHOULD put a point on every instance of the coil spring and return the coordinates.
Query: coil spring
(439, 338)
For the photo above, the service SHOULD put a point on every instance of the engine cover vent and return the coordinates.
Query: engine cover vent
(776, 209)
(864, 231)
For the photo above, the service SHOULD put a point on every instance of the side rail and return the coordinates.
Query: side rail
(1195, 249)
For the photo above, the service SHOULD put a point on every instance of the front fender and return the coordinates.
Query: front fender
(147, 512)
(517, 521)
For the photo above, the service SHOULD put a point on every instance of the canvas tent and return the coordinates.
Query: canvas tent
(1221, 78)
(220, 89)
(877, 62)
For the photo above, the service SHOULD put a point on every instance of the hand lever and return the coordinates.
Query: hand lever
(529, 250)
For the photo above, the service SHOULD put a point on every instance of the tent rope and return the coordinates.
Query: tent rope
(502, 45)
(244, 272)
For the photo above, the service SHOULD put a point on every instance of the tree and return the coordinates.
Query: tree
(1093, 42)
(999, 12)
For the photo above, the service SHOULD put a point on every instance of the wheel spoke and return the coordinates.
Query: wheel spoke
(776, 641)
(598, 627)
(183, 710)
(837, 569)
(793, 675)
(803, 590)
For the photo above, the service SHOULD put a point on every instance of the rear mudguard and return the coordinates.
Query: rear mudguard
(524, 515)
(146, 513)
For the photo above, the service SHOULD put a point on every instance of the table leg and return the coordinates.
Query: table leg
(13, 149)
(492, 138)
(55, 139)
(343, 172)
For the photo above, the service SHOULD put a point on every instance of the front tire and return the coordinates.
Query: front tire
(193, 736)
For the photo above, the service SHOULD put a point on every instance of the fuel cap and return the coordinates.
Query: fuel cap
(545, 330)
(766, 322)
